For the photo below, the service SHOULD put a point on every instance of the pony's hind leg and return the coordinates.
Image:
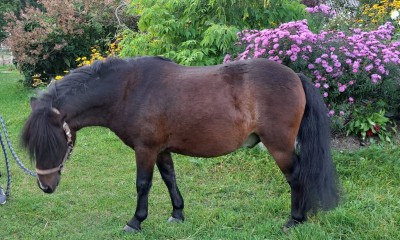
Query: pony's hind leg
(166, 167)
(286, 159)
(298, 212)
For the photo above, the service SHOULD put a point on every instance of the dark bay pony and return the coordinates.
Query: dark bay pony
(158, 107)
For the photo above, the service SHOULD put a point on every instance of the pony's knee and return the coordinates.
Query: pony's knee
(143, 186)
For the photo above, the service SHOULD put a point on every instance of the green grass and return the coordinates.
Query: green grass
(239, 196)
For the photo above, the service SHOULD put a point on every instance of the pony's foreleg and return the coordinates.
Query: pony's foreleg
(166, 167)
(145, 161)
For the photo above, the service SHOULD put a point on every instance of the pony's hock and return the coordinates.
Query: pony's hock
(158, 107)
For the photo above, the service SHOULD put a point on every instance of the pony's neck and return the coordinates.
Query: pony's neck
(89, 117)
(91, 108)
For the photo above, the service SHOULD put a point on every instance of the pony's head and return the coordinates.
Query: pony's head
(49, 142)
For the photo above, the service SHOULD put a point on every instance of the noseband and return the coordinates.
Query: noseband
(70, 145)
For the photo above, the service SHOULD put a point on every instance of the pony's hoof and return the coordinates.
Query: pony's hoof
(174, 220)
(286, 228)
(291, 224)
(129, 229)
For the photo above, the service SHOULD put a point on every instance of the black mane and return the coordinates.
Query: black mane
(77, 80)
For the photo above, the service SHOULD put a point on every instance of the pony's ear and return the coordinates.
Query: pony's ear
(34, 103)
(54, 116)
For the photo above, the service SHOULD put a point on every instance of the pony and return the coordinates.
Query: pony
(158, 107)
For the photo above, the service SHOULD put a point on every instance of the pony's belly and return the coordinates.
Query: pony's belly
(213, 147)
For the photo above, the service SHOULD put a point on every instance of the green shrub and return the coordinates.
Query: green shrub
(367, 122)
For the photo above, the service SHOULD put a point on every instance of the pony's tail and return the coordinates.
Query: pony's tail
(316, 171)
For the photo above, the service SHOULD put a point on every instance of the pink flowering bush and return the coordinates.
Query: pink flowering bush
(45, 41)
(348, 68)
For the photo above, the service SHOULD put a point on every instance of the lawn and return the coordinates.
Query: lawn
(238, 196)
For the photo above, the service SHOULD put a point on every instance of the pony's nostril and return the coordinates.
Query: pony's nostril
(45, 188)
(41, 186)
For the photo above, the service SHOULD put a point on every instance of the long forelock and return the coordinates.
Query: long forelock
(40, 137)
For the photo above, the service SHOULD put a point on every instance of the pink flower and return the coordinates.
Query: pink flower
(381, 69)
(375, 78)
(326, 94)
(329, 69)
(369, 67)
(227, 58)
(351, 100)
(341, 113)
(311, 66)
(326, 86)
(342, 88)
(317, 85)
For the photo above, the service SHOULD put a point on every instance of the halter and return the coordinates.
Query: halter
(70, 145)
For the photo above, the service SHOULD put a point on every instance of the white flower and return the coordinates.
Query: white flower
(394, 14)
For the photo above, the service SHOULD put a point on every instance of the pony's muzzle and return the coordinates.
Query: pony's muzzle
(44, 188)
(48, 187)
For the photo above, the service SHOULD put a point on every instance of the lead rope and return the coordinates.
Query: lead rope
(4, 195)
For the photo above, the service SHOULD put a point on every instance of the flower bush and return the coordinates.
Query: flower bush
(347, 68)
(377, 13)
(96, 53)
(374, 124)
(45, 41)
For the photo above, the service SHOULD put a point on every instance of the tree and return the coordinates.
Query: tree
(200, 32)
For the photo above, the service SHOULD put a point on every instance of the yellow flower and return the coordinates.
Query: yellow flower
(58, 77)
